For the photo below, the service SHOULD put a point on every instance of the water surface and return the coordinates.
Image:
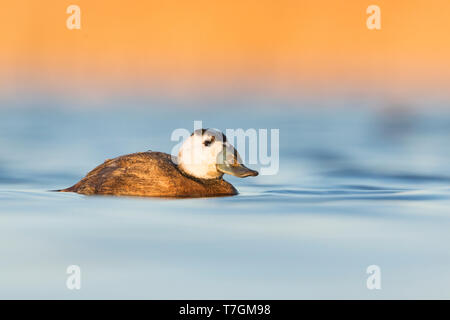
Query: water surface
(354, 188)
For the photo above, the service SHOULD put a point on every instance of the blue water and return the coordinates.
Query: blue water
(355, 187)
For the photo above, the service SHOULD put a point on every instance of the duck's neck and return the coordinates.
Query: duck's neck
(198, 179)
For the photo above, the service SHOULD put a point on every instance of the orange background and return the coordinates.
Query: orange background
(213, 46)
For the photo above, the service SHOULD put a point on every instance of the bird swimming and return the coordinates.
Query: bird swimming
(198, 171)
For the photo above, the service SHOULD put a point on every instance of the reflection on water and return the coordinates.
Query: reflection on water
(355, 188)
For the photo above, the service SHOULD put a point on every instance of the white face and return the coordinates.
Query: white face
(198, 156)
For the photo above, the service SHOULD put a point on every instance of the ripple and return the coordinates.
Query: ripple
(406, 177)
(370, 194)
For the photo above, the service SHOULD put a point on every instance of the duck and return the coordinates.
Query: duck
(198, 170)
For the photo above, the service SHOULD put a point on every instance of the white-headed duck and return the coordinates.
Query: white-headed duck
(198, 171)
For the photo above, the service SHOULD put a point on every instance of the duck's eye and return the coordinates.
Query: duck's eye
(208, 142)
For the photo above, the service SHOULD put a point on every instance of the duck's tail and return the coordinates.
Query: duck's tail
(70, 189)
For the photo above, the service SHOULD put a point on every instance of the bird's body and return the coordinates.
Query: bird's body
(202, 161)
(148, 174)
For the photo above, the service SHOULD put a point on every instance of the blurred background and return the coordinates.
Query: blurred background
(195, 49)
(364, 174)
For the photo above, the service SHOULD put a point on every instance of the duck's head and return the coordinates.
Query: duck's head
(207, 154)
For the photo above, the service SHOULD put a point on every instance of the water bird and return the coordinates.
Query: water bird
(198, 171)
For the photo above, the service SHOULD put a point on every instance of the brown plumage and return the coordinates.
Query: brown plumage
(147, 174)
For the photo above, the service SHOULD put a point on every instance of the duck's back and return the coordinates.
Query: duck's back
(148, 174)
